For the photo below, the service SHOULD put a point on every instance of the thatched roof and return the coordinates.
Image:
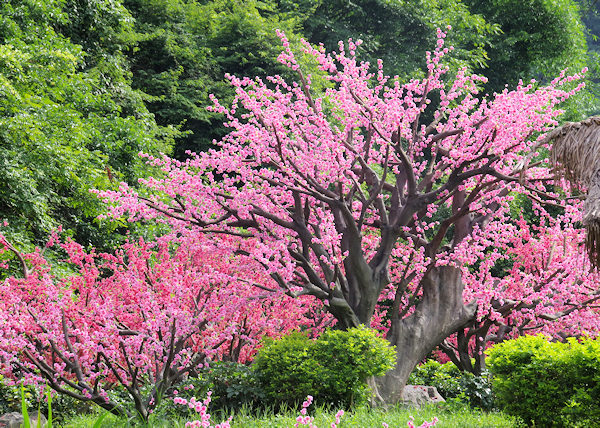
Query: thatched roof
(576, 155)
(576, 150)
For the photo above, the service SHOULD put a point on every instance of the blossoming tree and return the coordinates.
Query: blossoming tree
(382, 200)
(546, 286)
(145, 317)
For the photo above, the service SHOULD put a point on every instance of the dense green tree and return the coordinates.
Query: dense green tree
(100, 27)
(85, 82)
(538, 39)
(65, 128)
(590, 11)
(183, 50)
(398, 31)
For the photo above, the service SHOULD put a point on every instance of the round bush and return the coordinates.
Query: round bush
(547, 383)
(333, 368)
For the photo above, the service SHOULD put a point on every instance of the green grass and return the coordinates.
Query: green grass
(362, 417)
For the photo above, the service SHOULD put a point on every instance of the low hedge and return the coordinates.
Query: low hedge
(63, 406)
(549, 384)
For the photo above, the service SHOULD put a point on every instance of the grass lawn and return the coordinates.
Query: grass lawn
(362, 417)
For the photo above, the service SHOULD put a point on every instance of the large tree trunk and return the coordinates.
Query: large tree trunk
(440, 313)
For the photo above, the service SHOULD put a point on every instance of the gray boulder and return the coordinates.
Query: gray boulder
(15, 420)
(419, 395)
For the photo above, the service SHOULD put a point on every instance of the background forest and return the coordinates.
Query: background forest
(88, 84)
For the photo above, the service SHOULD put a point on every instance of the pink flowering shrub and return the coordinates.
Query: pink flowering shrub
(425, 424)
(201, 407)
(304, 419)
(234, 387)
(142, 318)
(546, 286)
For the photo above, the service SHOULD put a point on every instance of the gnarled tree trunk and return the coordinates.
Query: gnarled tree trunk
(440, 313)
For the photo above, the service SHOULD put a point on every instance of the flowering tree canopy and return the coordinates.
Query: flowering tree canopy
(390, 203)
(144, 317)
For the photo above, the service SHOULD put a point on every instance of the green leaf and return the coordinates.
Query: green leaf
(98, 421)
(49, 423)
(26, 422)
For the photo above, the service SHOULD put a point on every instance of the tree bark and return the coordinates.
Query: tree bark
(440, 313)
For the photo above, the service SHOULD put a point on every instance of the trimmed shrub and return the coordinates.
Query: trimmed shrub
(454, 385)
(548, 384)
(333, 368)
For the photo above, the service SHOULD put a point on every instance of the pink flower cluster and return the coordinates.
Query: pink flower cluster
(304, 419)
(411, 423)
(201, 407)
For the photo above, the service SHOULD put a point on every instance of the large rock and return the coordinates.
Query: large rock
(15, 420)
(419, 395)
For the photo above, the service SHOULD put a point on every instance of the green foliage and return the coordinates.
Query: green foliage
(98, 421)
(538, 39)
(184, 48)
(360, 417)
(453, 384)
(85, 82)
(26, 422)
(234, 387)
(25, 413)
(12, 399)
(65, 126)
(333, 368)
(50, 418)
(548, 383)
(399, 32)
(100, 27)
